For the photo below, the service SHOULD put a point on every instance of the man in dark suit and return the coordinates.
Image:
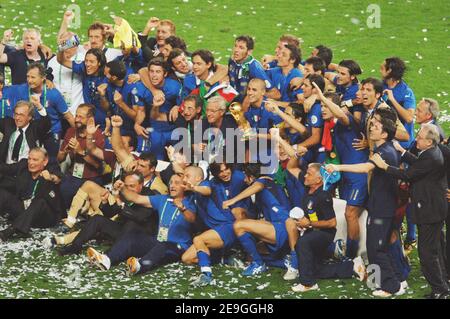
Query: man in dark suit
(21, 134)
(32, 199)
(428, 186)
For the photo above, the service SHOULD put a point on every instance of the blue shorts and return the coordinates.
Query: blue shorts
(160, 137)
(226, 233)
(281, 237)
(353, 189)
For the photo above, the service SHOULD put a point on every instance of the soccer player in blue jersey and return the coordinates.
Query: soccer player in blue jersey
(382, 204)
(399, 95)
(273, 204)
(352, 187)
(144, 252)
(242, 67)
(209, 197)
(91, 71)
(120, 97)
(37, 92)
(270, 61)
(156, 114)
(281, 76)
(6, 105)
(346, 81)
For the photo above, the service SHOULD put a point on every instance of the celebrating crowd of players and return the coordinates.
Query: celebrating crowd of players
(82, 133)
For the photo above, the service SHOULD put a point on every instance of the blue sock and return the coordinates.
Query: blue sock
(249, 245)
(294, 259)
(352, 248)
(204, 262)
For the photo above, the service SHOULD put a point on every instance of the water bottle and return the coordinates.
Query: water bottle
(74, 41)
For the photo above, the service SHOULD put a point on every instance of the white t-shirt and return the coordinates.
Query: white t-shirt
(68, 83)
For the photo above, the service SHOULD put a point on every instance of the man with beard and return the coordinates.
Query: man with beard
(84, 166)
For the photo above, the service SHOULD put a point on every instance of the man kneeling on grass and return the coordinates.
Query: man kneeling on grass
(319, 222)
(176, 216)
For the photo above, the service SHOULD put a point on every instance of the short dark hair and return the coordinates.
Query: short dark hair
(206, 56)
(388, 119)
(117, 68)
(150, 157)
(397, 67)
(377, 84)
(317, 63)
(353, 68)
(325, 53)
(196, 99)
(318, 79)
(175, 53)
(133, 140)
(176, 42)
(2, 79)
(252, 169)
(249, 42)
(97, 26)
(158, 61)
(214, 168)
(39, 66)
(334, 97)
(295, 54)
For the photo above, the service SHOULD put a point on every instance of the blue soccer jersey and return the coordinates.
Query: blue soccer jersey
(261, 118)
(405, 97)
(51, 99)
(6, 103)
(90, 93)
(346, 92)
(133, 62)
(282, 83)
(170, 218)
(172, 91)
(130, 96)
(272, 201)
(241, 74)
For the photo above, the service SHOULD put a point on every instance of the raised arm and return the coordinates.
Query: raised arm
(249, 191)
(335, 109)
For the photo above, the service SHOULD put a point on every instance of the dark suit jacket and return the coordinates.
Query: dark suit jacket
(428, 185)
(17, 178)
(35, 133)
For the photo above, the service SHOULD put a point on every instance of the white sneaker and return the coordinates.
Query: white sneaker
(291, 274)
(404, 285)
(359, 268)
(98, 259)
(381, 293)
(301, 288)
(48, 242)
(402, 289)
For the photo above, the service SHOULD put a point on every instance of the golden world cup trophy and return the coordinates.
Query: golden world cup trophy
(236, 111)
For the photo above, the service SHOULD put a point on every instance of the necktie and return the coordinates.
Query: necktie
(17, 145)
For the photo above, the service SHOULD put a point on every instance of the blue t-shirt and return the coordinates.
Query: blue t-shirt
(171, 90)
(319, 206)
(261, 118)
(295, 188)
(51, 99)
(133, 62)
(131, 98)
(282, 83)
(90, 94)
(383, 186)
(6, 104)
(405, 97)
(343, 139)
(314, 120)
(241, 74)
(272, 201)
(346, 92)
(180, 230)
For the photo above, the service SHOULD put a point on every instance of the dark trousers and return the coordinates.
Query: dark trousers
(447, 243)
(379, 232)
(98, 227)
(151, 252)
(70, 186)
(311, 250)
(431, 257)
(38, 215)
